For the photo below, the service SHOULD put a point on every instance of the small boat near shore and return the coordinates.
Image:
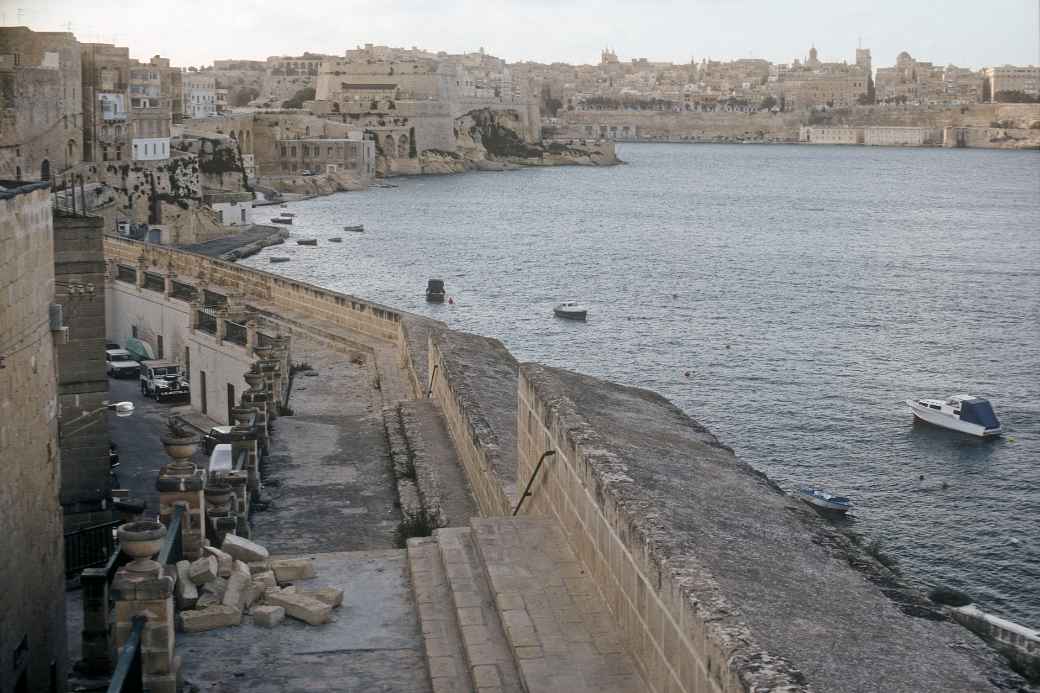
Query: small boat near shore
(281, 220)
(335, 239)
(435, 291)
(277, 258)
(571, 310)
(356, 228)
(825, 501)
(964, 413)
(307, 241)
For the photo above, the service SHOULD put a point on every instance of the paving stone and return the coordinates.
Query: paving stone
(203, 570)
(217, 616)
(301, 607)
(554, 619)
(243, 549)
(268, 616)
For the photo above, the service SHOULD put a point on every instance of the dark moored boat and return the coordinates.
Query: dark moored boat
(281, 220)
(307, 241)
(278, 258)
(335, 239)
(435, 291)
(357, 228)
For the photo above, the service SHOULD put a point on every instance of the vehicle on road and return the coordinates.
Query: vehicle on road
(163, 380)
(119, 364)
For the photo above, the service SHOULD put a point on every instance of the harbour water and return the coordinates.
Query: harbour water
(788, 297)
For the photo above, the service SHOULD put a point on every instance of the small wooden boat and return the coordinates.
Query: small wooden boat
(357, 228)
(825, 501)
(281, 220)
(335, 239)
(571, 311)
(277, 258)
(307, 241)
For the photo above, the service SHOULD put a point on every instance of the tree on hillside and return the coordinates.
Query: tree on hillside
(306, 94)
(242, 97)
(1015, 97)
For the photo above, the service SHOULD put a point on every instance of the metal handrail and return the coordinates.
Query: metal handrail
(429, 389)
(128, 673)
(534, 475)
(172, 547)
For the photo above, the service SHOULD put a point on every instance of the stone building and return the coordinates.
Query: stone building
(151, 109)
(32, 584)
(41, 126)
(816, 84)
(918, 82)
(106, 101)
(356, 156)
(1001, 81)
(200, 95)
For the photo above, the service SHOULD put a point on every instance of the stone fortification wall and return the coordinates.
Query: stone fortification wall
(32, 590)
(291, 299)
(718, 580)
(475, 384)
(79, 273)
(781, 127)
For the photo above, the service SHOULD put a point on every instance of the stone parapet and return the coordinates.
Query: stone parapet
(718, 580)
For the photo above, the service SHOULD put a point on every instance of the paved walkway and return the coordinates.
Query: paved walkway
(328, 483)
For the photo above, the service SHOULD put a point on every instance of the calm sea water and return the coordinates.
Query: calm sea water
(787, 297)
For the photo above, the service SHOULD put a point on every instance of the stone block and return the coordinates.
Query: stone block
(268, 616)
(186, 591)
(243, 549)
(292, 569)
(326, 595)
(204, 570)
(301, 607)
(265, 579)
(216, 587)
(242, 569)
(236, 593)
(257, 567)
(212, 617)
(207, 600)
(224, 561)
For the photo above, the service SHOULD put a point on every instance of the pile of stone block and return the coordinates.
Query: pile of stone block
(239, 579)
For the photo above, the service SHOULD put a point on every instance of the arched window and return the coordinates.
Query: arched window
(17, 172)
(45, 170)
(402, 146)
(389, 148)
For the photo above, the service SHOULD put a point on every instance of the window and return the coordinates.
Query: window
(133, 331)
(158, 347)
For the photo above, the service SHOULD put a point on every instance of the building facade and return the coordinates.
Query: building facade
(356, 156)
(200, 95)
(1004, 81)
(32, 583)
(106, 101)
(150, 111)
(41, 119)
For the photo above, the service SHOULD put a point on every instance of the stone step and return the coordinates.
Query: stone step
(488, 653)
(561, 634)
(442, 640)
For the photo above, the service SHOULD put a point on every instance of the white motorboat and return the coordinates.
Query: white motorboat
(824, 500)
(571, 311)
(965, 413)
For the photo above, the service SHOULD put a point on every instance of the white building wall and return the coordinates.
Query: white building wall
(151, 148)
(234, 213)
(154, 314)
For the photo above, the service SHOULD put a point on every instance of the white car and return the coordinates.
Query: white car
(163, 380)
(119, 364)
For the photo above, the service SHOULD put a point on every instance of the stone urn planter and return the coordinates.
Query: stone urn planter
(141, 540)
(181, 446)
(263, 352)
(252, 379)
(218, 494)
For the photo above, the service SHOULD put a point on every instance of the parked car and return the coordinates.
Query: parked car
(308, 172)
(216, 436)
(119, 364)
(111, 345)
(163, 380)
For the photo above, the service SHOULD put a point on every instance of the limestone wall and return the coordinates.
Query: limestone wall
(32, 586)
(79, 266)
(474, 384)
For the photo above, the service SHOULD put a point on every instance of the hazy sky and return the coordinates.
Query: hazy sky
(195, 32)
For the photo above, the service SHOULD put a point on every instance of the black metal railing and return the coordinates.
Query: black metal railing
(128, 675)
(234, 332)
(534, 475)
(154, 282)
(207, 323)
(173, 544)
(184, 292)
(262, 340)
(89, 546)
(126, 274)
(213, 300)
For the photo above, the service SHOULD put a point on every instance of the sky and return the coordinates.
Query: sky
(195, 32)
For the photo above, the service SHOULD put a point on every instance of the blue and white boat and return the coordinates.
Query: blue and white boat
(824, 500)
(965, 413)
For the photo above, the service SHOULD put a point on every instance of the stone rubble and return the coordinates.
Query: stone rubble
(301, 607)
(185, 590)
(268, 616)
(203, 570)
(243, 549)
(327, 595)
(212, 617)
(291, 569)
(224, 561)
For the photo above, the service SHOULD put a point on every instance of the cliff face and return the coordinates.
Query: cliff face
(494, 136)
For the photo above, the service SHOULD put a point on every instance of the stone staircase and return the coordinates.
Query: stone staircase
(506, 607)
